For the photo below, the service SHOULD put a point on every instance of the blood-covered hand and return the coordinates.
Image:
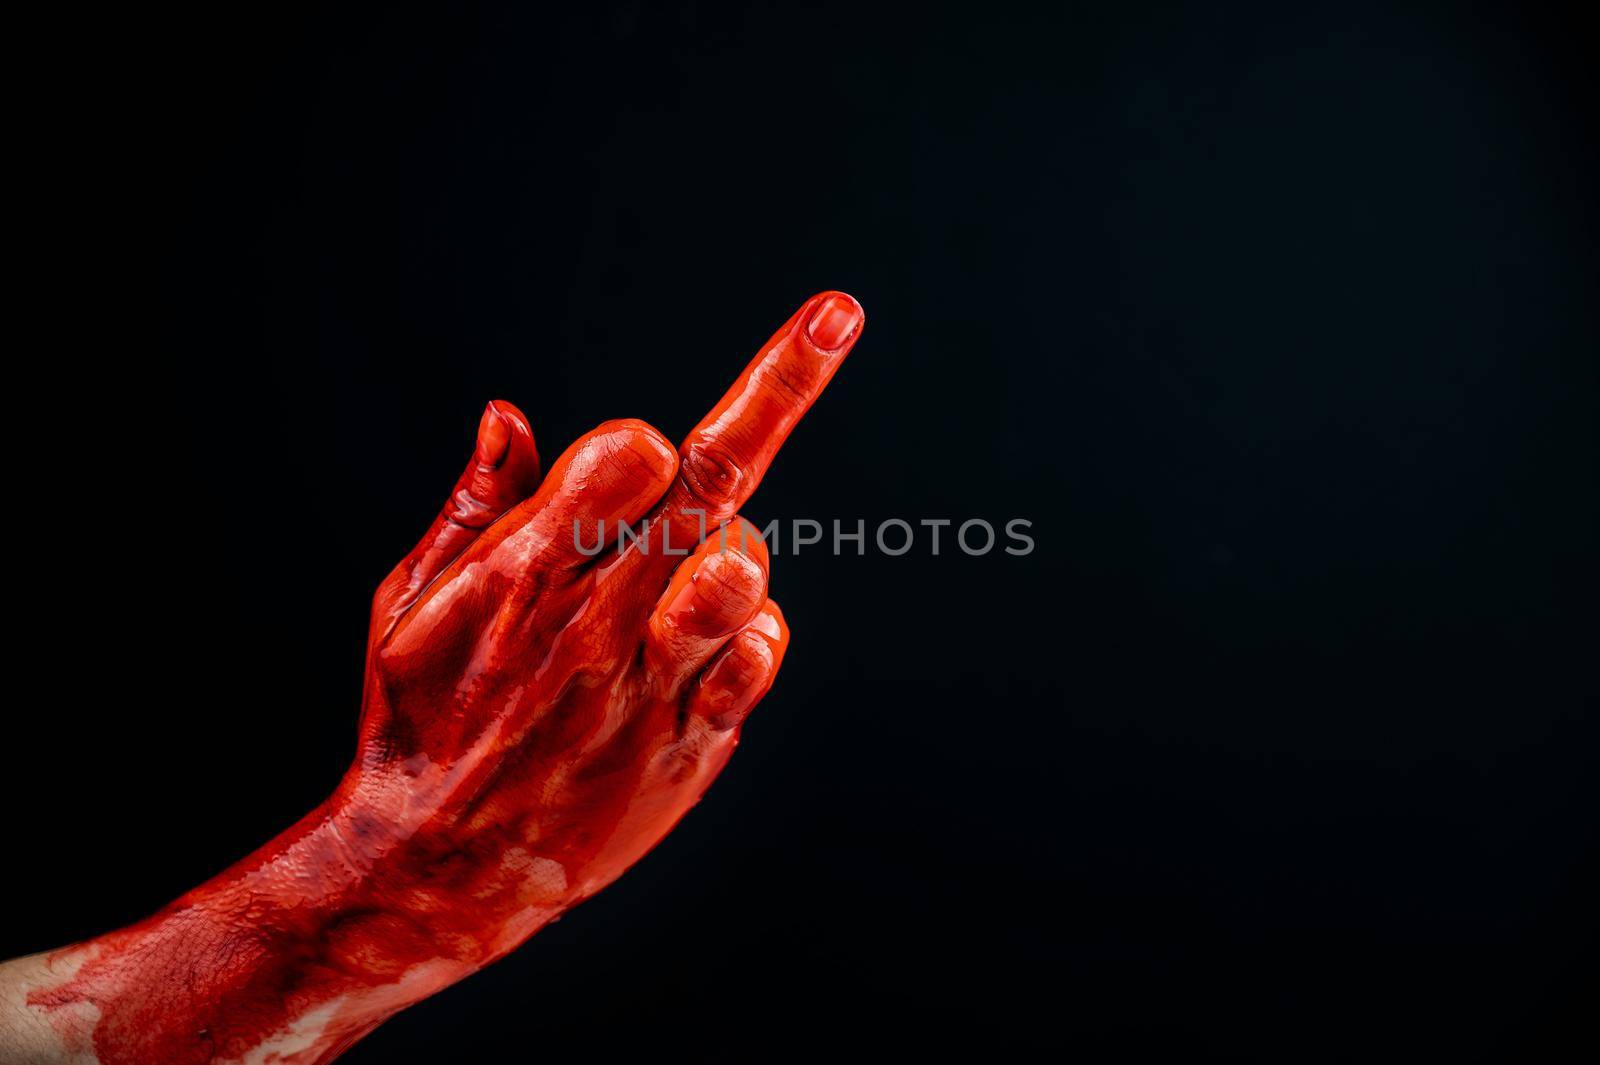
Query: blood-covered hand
(537, 715)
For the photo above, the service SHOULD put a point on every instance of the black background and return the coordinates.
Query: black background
(1279, 323)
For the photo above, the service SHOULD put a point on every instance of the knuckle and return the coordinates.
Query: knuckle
(712, 472)
(467, 510)
(635, 429)
(789, 379)
(637, 450)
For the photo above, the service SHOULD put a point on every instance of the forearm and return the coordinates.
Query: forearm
(26, 1035)
(299, 950)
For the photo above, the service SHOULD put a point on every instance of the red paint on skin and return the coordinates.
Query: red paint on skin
(534, 721)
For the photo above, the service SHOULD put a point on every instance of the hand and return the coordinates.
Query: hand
(536, 717)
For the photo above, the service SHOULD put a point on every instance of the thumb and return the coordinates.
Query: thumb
(503, 471)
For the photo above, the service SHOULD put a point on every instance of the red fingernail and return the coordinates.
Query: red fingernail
(494, 436)
(834, 322)
(682, 608)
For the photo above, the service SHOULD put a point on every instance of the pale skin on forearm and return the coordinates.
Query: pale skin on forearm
(25, 1035)
(534, 721)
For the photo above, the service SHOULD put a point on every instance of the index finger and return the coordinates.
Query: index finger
(727, 454)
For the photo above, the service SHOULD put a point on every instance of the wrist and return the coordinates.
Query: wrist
(299, 949)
